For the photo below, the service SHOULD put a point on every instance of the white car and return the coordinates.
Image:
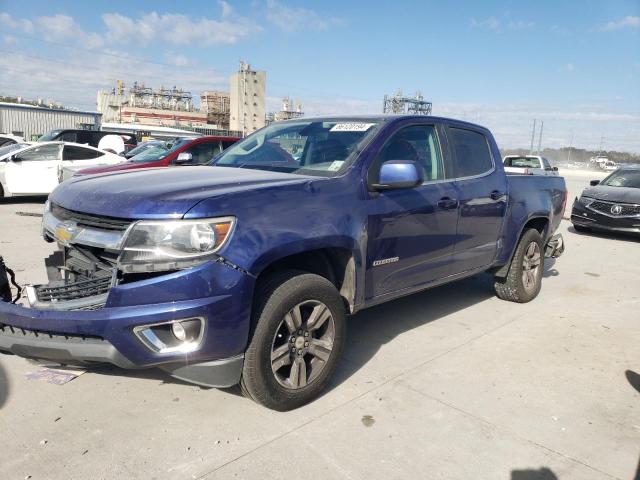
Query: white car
(36, 168)
(609, 166)
(528, 165)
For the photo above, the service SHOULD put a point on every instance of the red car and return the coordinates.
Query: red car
(185, 151)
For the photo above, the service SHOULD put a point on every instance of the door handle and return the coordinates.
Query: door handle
(496, 195)
(447, 203)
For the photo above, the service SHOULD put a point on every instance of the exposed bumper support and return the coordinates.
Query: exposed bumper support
(555, 246)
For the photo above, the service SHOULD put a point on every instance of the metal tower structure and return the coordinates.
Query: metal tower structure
(399, 104)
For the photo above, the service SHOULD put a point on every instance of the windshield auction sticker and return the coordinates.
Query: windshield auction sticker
(351, 127)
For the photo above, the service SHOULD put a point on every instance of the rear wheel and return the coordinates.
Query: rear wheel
(524, 278)
(298, 337)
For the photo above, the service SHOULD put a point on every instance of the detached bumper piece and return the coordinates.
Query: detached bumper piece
(555, 246)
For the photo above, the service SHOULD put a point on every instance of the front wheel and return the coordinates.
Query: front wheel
(299, 333)
(524, 278)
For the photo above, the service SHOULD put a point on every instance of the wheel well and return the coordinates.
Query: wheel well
(335, 264)
(540, 224)
(1, 191)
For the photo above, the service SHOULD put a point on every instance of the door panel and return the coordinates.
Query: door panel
(481, 192)
(412, 231)
(409, 230)
(34, 171)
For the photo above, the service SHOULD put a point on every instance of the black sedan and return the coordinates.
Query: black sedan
(612, 204)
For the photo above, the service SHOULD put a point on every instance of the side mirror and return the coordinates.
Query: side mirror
(184, 157)
(15, 159)
(399, 174)
(555, 169)
(593, 183)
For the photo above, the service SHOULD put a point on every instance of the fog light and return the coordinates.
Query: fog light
(178, 331)
(178, 336)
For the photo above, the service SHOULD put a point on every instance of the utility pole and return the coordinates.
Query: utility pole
(533, 135)
(570, 146)
(540, 137)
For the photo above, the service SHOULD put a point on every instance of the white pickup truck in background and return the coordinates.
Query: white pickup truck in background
(528, 165)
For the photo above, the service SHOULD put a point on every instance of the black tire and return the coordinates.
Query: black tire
(1, 192)
(513, 287)
(276, 297)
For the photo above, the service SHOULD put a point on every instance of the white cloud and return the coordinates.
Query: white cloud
(520, 25)
(627, 22)
(179, 29)
(9, 39)
(59, 28)
(7, 20)
(290, 19)
(491, 23)
(69, 81)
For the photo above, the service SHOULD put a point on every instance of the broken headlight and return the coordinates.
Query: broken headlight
(161, 245)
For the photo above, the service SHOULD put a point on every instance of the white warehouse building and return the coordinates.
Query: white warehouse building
(31, 122)
(247, 99)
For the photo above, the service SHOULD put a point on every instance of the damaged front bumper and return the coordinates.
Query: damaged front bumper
(94, 314)
(555, 246)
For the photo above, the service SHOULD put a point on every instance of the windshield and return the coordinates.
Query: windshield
(11, 148)
(314, 147)
(158, 152)
(48, 137)
(623, 178)
(146, 146)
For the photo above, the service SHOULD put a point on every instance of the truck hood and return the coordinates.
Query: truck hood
(160, 192)
(613, 194)
(124, 165)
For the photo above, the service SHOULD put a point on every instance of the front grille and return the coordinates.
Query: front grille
(18, 332)
(73, 291)
(92, 221)
(605, 207)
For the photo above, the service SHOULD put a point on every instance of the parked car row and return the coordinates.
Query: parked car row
(37, 168)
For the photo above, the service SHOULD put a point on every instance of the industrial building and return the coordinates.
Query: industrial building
(31, 121)
(217, 105)
(247, 99)
(288, 111)
(169, 107)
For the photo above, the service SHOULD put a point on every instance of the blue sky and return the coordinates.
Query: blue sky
(574, 65)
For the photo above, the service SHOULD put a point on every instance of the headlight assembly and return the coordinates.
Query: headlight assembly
(161, 245)
(586, 201)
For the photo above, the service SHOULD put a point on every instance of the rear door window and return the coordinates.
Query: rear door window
(72, 152)
(472, 156)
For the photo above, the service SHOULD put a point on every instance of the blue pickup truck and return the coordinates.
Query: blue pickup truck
(245, 271)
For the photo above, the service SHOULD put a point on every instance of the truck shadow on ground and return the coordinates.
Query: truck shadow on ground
(4, 387)
(543, 473)
(369, 330)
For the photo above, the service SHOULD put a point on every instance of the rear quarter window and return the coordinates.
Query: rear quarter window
(471, 152)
